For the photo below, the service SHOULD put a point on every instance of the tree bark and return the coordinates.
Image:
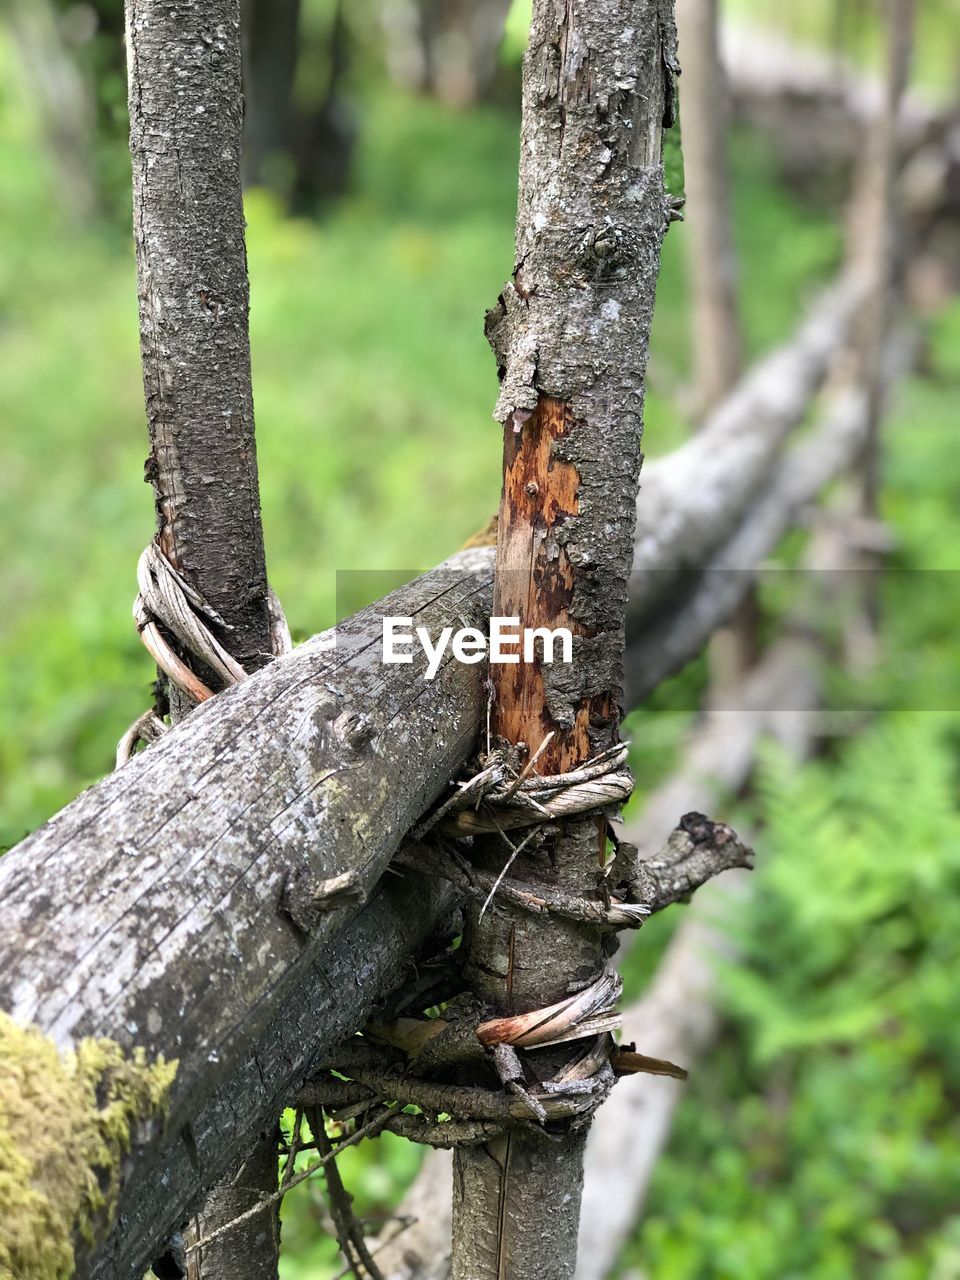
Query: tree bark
(186, 119)
(719, 757)
(186, 108)
(570, 335)
(251, 1250)
(410, 917)
(278, 757)
(676, 1018)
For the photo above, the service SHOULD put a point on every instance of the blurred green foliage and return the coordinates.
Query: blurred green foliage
(821, 1138)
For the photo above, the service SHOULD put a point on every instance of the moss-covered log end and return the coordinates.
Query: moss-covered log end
(66, 1123)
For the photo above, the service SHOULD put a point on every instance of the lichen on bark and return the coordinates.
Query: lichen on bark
(66, 1123)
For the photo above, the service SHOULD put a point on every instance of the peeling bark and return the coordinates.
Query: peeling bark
(719, 757)
(570, 336)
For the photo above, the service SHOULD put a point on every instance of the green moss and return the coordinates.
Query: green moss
(65, 1124)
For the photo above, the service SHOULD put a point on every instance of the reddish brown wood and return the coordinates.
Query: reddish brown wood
(535, 580)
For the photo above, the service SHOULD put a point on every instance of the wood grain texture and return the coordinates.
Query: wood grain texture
(373, 955)
(186, 120)
(165, 887)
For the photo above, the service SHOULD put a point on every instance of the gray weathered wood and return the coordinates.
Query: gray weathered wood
(171, 890)
(720, 757)
(335, 994)
(186, 116)
(694, 498)
(708, 594)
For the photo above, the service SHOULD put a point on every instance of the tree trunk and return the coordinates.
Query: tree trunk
(251, 1250)
(410, 919)
(186, 117)
(873, 232)
(712, 270)
(185, 123)
(127, 950)
(445, 47)
(708, 222)
(570, 336)
(270, 48)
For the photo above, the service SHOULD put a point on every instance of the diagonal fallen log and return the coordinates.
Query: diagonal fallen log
(823, 104)
(219, 844)
(706, 595)
(693, 498)
(408, 915)
(319, 765)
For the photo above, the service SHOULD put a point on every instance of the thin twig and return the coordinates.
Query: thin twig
(368, 1130)
(528, 767)
(349, 1231)
(294, 1149)
(506, 866)
(405, 1225)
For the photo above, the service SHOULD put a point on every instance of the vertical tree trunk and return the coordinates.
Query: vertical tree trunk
(873, 245)
(251, 1250)
(185, 118)
(186, 112)
(708, 223)
(445, 47)
(570, 335)
(270, 46)
(873, 231)
(712, 267)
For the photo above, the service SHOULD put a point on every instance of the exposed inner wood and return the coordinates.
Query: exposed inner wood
(534, 581)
